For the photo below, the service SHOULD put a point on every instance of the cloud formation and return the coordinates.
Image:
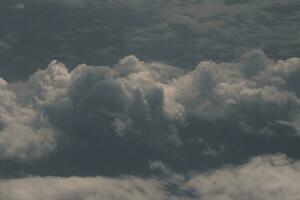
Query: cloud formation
(176, 32)
(150, 111)
(265, 177)
(25, 133)
(193, 113)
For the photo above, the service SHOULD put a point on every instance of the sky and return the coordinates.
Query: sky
(149, 99)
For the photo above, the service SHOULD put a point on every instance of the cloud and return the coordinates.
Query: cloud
(92, 121)
(144, 111)
(180, 33)
(50, 188)
(295, 123)
(4, 47)
(25, 133)
(220, 30)
(264, 177)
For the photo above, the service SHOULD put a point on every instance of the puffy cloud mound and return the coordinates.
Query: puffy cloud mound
(25, 133)
(267, 177)
(151, 111)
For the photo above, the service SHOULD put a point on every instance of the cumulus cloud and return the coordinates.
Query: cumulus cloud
(154, 109)
(265, 177)
(92, 120)
(25, 133)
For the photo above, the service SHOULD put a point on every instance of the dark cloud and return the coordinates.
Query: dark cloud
(134, 112)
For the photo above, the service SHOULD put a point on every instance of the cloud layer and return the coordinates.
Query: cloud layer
(193, 113)
(74, 188)
(178, 32)
(266, 177)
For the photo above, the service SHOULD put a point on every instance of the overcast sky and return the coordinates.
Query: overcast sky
(149, 99)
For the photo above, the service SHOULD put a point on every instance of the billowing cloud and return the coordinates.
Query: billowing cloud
(143, 111)
(207, 105)
(25, 133)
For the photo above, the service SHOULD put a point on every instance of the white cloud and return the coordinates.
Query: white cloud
(55, 188)
(273, 177)
(264, 178)
(25, 133)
